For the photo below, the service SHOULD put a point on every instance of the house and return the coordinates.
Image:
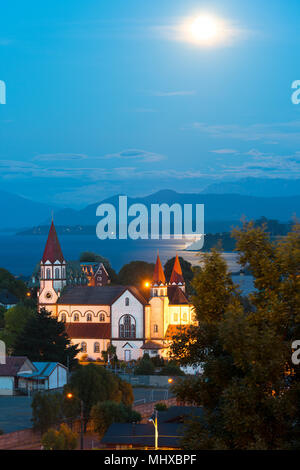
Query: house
(170, 430)
(7, 300)
(20, 375)
(98, 315)
(96, 274)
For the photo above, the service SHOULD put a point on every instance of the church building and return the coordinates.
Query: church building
(97, 315)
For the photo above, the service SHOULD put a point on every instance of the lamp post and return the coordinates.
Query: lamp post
(153, 419)
(70, 396)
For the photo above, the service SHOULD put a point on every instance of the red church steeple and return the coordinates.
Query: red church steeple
(158, 275)
(176, 276)
(52, 251)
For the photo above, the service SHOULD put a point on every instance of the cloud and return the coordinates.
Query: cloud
(136, 154)
(285, 131)
(47, 157)
(173, 93)
(224, 151)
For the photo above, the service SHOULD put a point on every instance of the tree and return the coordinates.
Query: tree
(93, 384)
(44, 339)
(249, 388)
(63, 439)
(46, 410)
(136, 273)
(108, 412)
(13, 285)
(144, 366)
(15, 320)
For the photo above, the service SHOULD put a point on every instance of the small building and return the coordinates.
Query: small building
(170, 430)
(20, 375)
(96, 274)
(7, 300)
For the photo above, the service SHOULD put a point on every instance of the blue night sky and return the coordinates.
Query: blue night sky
(107, 97)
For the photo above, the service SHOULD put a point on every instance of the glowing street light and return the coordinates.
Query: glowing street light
(153, 420)
(70, 396)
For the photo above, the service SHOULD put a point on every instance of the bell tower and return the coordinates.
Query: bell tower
(176, 278)
(53, 272)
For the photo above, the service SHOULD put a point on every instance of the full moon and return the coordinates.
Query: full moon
(204, 29)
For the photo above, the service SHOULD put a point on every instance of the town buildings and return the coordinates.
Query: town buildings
(97, 315)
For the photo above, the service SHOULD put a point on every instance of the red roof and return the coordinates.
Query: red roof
(176, 276)
(176, 296)
(158, 275)
(88, 330)
(52, 251)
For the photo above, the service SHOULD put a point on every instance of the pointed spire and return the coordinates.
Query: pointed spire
(52, 251)
(158, 275)
(176, 276)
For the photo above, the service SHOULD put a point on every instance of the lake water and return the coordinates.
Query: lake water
(20, 254)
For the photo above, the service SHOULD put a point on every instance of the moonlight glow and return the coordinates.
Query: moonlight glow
(204, 28)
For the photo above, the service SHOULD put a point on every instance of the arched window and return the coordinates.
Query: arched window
(56, 273)
(102, 316)
(63, 273)
(155, 293)
(83, 347)
(76, 317)
(48, 273)
(63, 317)
(126, 301)
(96, 347)
(155, 328)
(184, 316)
(89, 317)
(127, 327)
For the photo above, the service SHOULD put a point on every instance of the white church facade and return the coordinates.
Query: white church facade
(97, 316)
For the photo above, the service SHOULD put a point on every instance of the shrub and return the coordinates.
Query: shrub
(64, 439)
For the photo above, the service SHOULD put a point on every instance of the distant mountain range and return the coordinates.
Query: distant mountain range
(17, 211)
(222, 210)
(261, 187)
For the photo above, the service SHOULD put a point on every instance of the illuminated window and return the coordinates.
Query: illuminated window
(175, 317)
(63, 317)
(102, 317)
(83, 347)
(127, 327)
(184, 316)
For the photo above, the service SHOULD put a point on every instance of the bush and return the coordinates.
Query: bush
(144, 366)
(172, 369)
(161, 407)
(64, 439)
(108, 412)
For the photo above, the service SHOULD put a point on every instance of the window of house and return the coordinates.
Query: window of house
(155, 328)
(96, 347)
(48, 273)
(102, 317)
(175, 317)
(184, 316)
(56, 273)
(76, 317)
(127, 327)
(63, 317)
(127, 301)
(89, 317)
(155, 292)
(83, 347)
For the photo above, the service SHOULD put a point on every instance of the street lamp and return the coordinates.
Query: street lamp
(70, 396)
(153, 420)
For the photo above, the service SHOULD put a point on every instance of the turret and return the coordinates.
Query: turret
(176, 278)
